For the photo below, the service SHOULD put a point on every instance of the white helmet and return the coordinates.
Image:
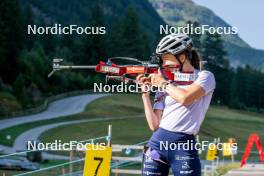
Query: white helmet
(174, 44)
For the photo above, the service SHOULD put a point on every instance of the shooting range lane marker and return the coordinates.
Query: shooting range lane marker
(123, 164)
(107, 138)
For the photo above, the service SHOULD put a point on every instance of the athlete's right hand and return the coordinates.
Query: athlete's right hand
(144, 82)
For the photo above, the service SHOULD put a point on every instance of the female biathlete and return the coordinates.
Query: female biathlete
(178, 110)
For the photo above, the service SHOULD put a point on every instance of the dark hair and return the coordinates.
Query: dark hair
(194, 57)
(191, 54)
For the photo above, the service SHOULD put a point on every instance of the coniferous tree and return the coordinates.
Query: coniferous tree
(28, 19)
(196, 38)
(134, 42)
(114, 39)
(93, 46)
(213, 52)
(20, 90)
(10, 39)
(237, 89)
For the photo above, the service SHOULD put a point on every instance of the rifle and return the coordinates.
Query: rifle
(113, 71)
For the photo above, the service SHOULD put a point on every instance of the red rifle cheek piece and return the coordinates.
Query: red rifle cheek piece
(169, 75)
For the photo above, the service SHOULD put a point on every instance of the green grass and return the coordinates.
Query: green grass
(125, 131)
(225, 123)
(219, 122)
(113, 106)
(8, 103)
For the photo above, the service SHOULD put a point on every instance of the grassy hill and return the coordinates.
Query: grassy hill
(178, 12)
(219, 122)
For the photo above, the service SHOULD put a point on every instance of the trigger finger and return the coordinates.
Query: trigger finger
(151, 77)
(143, 79)
(139, 77)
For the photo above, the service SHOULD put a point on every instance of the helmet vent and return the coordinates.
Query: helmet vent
(169, 43)
(176, 46)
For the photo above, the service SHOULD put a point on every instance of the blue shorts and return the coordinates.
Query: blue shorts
(173, 150)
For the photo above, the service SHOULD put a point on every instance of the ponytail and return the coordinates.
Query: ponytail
(195, 59)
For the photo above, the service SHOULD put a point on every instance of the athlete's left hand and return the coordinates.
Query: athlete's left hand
(156, 79)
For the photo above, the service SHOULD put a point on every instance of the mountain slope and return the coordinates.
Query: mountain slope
(79, 12)
(177, 12)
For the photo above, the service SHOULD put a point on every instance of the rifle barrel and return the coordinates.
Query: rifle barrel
(77, 67)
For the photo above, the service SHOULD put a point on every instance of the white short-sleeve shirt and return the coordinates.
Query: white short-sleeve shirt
(187, 119)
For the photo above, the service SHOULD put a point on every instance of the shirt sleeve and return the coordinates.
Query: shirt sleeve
(159, 101)
(206, 80)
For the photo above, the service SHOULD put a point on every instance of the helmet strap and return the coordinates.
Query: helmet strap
(181, 63)
(189, 54)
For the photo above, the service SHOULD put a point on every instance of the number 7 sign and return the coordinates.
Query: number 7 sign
(97, 161)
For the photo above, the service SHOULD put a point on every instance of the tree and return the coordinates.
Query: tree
(134, 41)
(196, 38)
(127, 37)
(212, 51)
(247, 88)
(20, 90)
(237, 89)
(35, 67)
(28, 19)
(115, 37)
(93, 46)
(10, 39)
